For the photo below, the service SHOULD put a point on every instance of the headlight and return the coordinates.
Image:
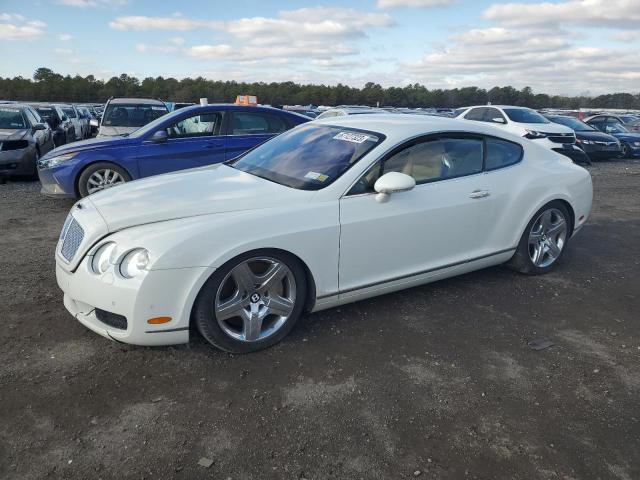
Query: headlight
(533, 134)
(585, 142)
(57, 160)
(637, 144)
(103, 258)
(134, 263)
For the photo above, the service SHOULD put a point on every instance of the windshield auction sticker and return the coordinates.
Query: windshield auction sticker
(316, 176)
(352, 137)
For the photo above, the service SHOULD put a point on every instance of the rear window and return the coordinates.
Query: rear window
(524, 115)
(131, 115)
(309, 157)
(500, 153)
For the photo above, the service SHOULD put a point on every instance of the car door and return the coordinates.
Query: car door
(194, 140)
(249, 128)
(438, 223)
(41, 137)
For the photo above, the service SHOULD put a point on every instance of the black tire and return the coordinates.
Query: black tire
(626, 150)
(204, 317)
(521, 260)
(83, 179)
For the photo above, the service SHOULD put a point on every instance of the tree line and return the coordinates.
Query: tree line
(46, 85)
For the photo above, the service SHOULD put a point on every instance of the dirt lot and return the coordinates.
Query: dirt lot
(433, 382)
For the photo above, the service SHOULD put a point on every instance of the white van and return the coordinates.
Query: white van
(123, 116)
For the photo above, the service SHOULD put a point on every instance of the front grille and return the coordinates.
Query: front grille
(72, 239)
(112, 319)
(562, 138)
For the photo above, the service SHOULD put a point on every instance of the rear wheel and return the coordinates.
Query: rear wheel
(100, 176)
(543, 241)
(252, 302)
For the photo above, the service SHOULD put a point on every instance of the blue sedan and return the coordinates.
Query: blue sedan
(190, 137)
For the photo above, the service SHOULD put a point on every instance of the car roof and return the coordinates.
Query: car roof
(401, 126)
(233, 106)
(498, 106)
(139, 101)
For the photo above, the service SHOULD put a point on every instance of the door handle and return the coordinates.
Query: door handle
(479, 194)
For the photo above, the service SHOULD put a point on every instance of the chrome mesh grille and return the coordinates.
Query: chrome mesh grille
(72, 239)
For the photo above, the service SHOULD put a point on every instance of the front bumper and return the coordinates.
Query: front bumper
(157, 293)
(601, 151)
(574, 153)
(18, 162)
(55, 182)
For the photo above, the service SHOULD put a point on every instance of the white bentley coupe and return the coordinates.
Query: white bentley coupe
(328, 213)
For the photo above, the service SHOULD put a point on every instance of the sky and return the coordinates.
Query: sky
(568, 47)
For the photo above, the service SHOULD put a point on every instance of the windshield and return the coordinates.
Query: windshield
(11, 119)
(131, 115)
(309, 157)
(612, 128)
(151, 126)
(524, 115)
(70, 112)
(572, 123)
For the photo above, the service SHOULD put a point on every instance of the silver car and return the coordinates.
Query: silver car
(123, 116)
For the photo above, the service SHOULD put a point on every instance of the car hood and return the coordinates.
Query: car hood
(88, 145)
(629, 137)
(595, 136)
(6, 134)
(188, 193)
(546, 127)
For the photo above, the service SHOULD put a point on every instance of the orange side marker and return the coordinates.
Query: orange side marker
(158, 320)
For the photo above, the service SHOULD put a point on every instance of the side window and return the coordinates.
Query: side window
(245, 123)
(491, 114)
(501, 154)
(475, 114)
(277, 124)
(202, 125)
(438, 159)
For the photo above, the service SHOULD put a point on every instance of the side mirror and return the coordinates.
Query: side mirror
(39, 126)
(392, 182)
(498, 120)
(160, 136)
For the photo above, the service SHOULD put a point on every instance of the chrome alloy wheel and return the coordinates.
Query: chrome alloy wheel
(255, 299)
(101, 179)
(547, 237)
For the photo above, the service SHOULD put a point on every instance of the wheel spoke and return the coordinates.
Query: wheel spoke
(538, 253)
(231, 308)
(546, 221)
(554, 250)
(276, 273)
(252, 323)
(280, 305)
(244, 278)
(534, 238)
(557, 228)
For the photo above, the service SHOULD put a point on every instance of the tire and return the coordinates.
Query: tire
(111, 175)
(626, 150)
(538, 243)
(234, 331)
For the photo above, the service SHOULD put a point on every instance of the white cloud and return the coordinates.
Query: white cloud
(93, 3)
(593, 13)
(63, 51)
(20, 28)
(176, 22)
(65, 37)
(414, 3)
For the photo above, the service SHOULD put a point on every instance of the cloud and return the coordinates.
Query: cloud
(18, 28)
(93, 3)
(414, 3)
(526, 57)
(292, 36)
(176, 22)
(618, 14)
(65, 37)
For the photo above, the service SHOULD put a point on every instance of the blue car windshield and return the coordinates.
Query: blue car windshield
(11, 119)
(309, 157)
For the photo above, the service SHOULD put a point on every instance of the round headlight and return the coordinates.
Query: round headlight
(103, 258)
(134, 263)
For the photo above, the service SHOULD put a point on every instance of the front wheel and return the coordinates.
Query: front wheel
(252, 302)
(100, 176)
(626, 150)
(543, 241)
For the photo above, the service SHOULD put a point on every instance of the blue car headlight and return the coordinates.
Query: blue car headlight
(57, 160)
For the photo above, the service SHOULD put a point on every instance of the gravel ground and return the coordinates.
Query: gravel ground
(433, 382)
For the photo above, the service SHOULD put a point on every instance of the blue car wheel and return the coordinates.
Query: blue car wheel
(100, 176)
